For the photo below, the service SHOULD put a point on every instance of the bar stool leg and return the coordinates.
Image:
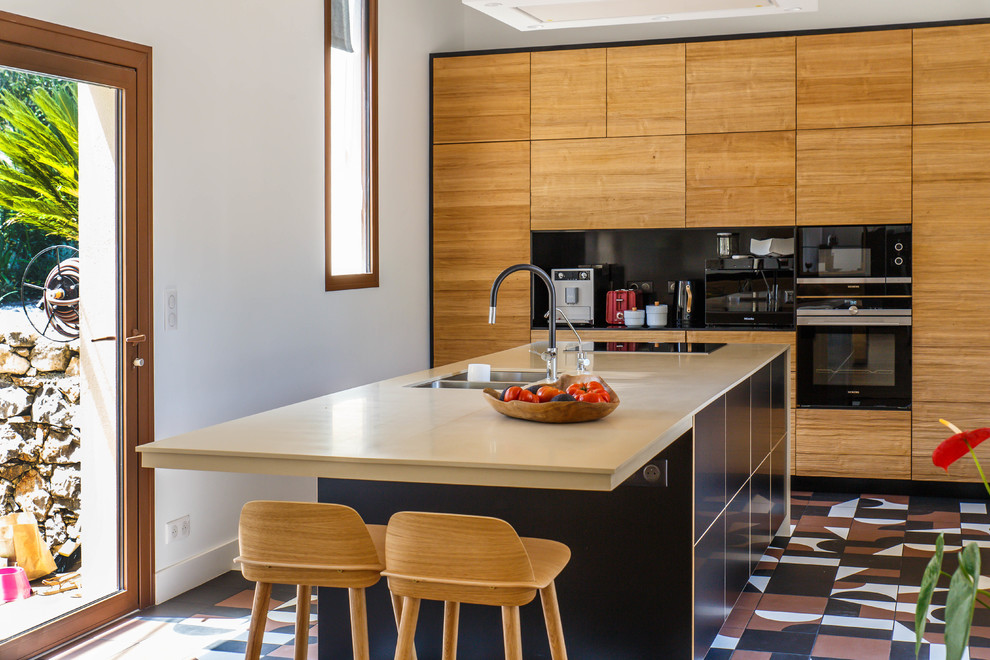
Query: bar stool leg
(407, 629)
(359, 623)
(303, 593)
(451, 613)
(511, 632)
(259, 612)
(397, 611)
(555, 631)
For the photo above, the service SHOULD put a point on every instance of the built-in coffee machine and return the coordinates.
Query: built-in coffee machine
(750, 291)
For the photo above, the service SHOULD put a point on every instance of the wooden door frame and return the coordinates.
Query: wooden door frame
(67, 52)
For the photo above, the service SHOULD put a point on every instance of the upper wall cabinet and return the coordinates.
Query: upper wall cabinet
(952, 74)
(481, 98)
(609, 183)
(854, 176)
(646, 90)
(740, 179)
(568, 94)
(744, 85)
(854, 79)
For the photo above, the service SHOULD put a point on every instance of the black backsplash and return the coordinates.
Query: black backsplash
(656, 255)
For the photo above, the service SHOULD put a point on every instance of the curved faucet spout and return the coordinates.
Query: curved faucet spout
(542, 274)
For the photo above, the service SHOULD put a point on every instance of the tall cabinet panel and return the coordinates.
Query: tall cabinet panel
(568, 88)
(609, 183)
(951, 208)
(481, 98)
(480, 226)
(645, 91)
(952, 74)
(742, 85)
(854, 176)
(735, 179)
(854, 79)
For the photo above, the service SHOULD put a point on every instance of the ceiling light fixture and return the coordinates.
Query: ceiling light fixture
(539, 14)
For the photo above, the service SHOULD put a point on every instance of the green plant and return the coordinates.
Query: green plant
(39, 162)
(964, 592)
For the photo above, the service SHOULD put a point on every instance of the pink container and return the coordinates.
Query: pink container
(13, 584)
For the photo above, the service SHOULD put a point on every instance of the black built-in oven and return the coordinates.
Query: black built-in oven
(853, 309)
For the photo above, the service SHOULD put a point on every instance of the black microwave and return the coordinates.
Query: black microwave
(750, 291)
(874, 259)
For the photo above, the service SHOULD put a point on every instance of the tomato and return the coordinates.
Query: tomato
(591, 397)
(547, 392)
(575, 389)
(606, 397)
(528, 397)
(512, 393)
(594, 386)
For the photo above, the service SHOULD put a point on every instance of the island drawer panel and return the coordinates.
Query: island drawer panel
(779, 486)
(759, 513)
(710, 610)
(709, 465)
(737, 544)
(761, 433)
(737, 438)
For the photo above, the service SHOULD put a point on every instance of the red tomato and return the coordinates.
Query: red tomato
(512, 393)
(594, 386)
(591, 397)
(528, 397)
(575, 389)
(606, 397)
(546, 393)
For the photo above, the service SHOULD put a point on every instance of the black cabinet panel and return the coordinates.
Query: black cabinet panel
(778, 397)
(737, 432)
(760, 428)
(737, 541)
(759, 512)
(710, 611)
(778, 485)
(709, 465)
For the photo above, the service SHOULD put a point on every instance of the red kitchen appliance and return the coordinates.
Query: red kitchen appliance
(618, 301)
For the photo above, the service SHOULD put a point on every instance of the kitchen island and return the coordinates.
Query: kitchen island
(667, 504)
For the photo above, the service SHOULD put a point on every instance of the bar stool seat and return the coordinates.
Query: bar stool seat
(471, 559)
(309, 545)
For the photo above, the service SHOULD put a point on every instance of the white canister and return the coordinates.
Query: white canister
(656, 315)
(634, 318)
(479, 373)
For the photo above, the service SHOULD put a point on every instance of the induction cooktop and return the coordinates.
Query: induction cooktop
(700, 348)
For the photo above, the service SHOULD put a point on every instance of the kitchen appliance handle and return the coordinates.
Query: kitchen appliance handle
(845, 280)
(843, 313)
(854, 320)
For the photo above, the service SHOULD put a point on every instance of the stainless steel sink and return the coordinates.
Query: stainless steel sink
(499, 380)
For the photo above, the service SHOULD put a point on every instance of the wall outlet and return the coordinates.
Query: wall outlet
(646, 286)
(171, 309)
(177, 529)
(671, 286)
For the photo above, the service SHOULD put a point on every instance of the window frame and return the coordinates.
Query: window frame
(369, 279)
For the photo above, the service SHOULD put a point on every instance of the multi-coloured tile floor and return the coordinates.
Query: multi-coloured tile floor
(844, 584)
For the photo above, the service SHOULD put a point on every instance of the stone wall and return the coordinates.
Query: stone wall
(39, 436)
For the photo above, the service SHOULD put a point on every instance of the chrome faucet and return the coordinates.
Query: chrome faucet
(551, 355)
(583, 361)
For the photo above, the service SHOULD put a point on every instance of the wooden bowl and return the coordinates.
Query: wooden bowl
(556, 412)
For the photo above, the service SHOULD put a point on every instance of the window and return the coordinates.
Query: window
(351, 150)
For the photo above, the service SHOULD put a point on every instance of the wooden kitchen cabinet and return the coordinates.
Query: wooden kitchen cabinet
(568, 94)
(952, 74)
(854, 176)
(480, 227)
(645, 90)
(853, 443)
(740, 179)
(740, 85)
(481, 98)
(854, 79)
(609, 183)
(928, 432)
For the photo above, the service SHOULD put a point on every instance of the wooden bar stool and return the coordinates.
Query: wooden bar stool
(471, 559)
(309, 545)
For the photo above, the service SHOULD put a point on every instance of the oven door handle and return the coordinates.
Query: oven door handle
(854, 320)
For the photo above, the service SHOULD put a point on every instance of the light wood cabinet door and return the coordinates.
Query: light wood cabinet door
(568, 94)
(740, 179)
(645, 90)
(480, 227)
(853, 443)
(481, 98)
(952, 373)
(928, 432)
(854, 79)
(854, 176)
(741, 85)
(951, 231)
(952, 74)
(610, 183)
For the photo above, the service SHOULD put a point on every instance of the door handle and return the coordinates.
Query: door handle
(135, 339)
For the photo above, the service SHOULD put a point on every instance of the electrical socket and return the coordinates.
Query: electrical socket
(177, 529)
(646, 286)
(671, 286)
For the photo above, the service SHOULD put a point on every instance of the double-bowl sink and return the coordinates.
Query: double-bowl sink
(499, 380)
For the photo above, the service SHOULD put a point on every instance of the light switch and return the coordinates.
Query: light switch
(171, 309)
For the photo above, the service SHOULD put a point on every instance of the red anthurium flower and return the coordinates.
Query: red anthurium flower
(954, 448)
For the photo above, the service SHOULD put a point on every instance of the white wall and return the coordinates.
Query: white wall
(482, 32)
(238, 213)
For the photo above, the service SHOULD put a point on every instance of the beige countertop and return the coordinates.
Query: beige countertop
(386, 431)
